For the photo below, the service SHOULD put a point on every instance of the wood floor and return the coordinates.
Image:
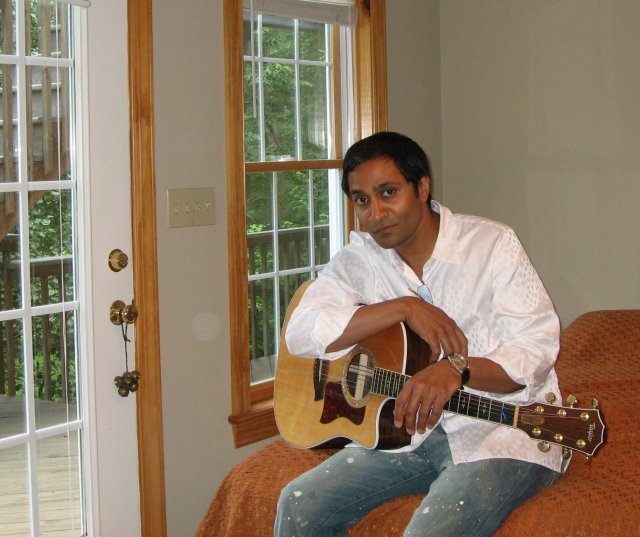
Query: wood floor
(58, 473)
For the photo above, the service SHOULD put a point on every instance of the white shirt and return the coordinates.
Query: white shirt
(480, 276)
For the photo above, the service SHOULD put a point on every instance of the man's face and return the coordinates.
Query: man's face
(386, 204)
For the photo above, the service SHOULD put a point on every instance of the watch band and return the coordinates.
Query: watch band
(461, 365)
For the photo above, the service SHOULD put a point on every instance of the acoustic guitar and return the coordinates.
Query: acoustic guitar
(328, 403)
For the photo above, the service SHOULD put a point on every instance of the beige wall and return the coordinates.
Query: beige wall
(413, 73)
(528, 112)
(541, 129)
(192, 262)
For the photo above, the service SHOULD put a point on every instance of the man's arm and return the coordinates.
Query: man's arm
(427, 321)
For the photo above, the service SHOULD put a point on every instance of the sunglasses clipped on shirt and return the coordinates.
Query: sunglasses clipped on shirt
(424, 293)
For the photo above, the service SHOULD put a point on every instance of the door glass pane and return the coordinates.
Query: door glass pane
(59, 486)
(14, 492)
(8, 117)
(12, 404)
(48, 132)
(10, 277)
(54, 369)
(51, 245)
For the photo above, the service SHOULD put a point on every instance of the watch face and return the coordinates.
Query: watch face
(458, 361)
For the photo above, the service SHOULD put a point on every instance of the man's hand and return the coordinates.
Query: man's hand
(424, 396)
(434, 326)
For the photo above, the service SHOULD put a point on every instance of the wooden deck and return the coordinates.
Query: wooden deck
(58, 473)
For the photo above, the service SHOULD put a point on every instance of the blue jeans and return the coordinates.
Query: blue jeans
(462, 500)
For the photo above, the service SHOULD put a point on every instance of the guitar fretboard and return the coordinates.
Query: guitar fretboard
(389, 383)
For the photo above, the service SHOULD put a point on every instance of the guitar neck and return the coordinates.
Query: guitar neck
(389, 384)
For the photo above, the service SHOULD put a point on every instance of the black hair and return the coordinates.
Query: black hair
(406, 154)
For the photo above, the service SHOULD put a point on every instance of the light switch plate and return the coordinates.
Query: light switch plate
(191, 207)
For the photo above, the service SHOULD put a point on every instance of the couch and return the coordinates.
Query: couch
(598, 496)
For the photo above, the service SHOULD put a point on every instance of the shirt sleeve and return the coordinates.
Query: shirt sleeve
(321, 317)
(525, 318)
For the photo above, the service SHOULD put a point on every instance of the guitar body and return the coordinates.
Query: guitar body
(322, 403)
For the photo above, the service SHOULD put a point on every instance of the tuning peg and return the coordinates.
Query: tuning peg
(550, 397)
(572, 400)
(566, 453)
(594, 403)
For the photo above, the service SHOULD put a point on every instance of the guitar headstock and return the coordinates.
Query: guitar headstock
(577, 429)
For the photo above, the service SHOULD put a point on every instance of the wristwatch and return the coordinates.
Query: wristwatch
(461, 365)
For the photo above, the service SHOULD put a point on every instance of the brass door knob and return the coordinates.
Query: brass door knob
(120, 313)
(118, 260)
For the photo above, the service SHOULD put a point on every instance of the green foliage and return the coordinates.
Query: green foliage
(51, 225)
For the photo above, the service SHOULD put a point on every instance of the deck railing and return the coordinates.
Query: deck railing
(48, 282)
(295, 262)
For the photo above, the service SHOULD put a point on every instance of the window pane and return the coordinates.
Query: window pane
(259, 222)
(312, 41)
(288, 285)
(12, 405)
(313, 104)
(293, 199)
(261, 326)
(47, 31)
(293, 248)
(48, 133)
(9, 130)
(14, 491)
(10, 277)
(54, 369)
(277, 37)
(279, 111)
(252, 140)
(321, 216)
(246, 34)
(51, 245)
(59, 486)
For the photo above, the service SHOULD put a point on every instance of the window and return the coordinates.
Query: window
(290, 84)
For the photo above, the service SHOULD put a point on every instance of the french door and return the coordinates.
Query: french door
(68, 440)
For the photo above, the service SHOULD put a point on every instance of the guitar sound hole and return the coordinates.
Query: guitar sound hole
(357, 378)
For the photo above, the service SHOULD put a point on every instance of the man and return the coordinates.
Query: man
(465, 285)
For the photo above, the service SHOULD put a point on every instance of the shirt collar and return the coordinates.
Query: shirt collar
(446, 247)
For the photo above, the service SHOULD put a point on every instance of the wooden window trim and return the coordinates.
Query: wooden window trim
(252, 417)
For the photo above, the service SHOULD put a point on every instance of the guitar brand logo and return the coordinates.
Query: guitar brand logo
(592, 429)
